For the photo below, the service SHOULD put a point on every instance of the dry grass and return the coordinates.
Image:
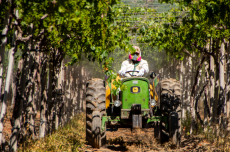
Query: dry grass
(72, 138)
(69, 138)
(223, 144)
(213, 137)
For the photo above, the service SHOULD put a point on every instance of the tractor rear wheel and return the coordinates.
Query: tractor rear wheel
(95, 109)
(170, 105)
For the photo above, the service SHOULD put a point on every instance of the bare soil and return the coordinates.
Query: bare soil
(139, 140)
(142, 140)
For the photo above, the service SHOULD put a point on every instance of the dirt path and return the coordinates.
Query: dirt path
(143, 141)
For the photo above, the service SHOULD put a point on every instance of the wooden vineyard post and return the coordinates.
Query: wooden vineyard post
(182, 77)
(2, 52)
(221, 104)
(43, 119)
(228, 85)
(212, 88)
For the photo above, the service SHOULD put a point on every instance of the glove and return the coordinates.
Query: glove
(122, 73)
(141, 73)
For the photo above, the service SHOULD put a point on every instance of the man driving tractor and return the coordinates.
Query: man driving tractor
(135, 106)
(134, 63)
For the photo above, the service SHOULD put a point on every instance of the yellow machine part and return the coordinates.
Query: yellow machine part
(153, 92)
(108, 93)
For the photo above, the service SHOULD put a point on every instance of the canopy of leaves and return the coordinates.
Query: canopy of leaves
(191, 30)
(75, 26)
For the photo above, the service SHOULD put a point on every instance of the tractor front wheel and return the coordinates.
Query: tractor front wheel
(96, 129)
(95, 109)
(170, 105)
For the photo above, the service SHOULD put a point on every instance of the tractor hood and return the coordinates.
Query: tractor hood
(134, 78)
(137, 92)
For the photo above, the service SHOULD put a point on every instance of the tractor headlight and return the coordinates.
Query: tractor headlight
(117, 103)
(153, 102)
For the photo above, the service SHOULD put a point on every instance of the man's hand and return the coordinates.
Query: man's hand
(141, 73)
(122, 73)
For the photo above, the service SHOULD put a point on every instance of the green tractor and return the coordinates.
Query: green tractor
(134, 107)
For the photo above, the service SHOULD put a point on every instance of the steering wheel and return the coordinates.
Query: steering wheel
(130, 73)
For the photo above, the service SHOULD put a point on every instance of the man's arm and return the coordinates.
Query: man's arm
(123, 68)
(145, 66)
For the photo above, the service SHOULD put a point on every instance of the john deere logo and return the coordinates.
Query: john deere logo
(135, 89)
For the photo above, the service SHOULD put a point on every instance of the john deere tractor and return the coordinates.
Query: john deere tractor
(137, 106)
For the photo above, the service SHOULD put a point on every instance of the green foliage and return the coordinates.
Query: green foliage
(3, 7)
(136, 17)
(188, 27)
(130, 19)
(76, 27)
(118, 85)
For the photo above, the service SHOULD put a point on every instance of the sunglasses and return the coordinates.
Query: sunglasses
(135, 53)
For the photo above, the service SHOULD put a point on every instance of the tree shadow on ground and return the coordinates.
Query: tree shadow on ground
(117, 148)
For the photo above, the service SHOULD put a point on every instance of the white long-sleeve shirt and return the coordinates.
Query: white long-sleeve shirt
(128, 65)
